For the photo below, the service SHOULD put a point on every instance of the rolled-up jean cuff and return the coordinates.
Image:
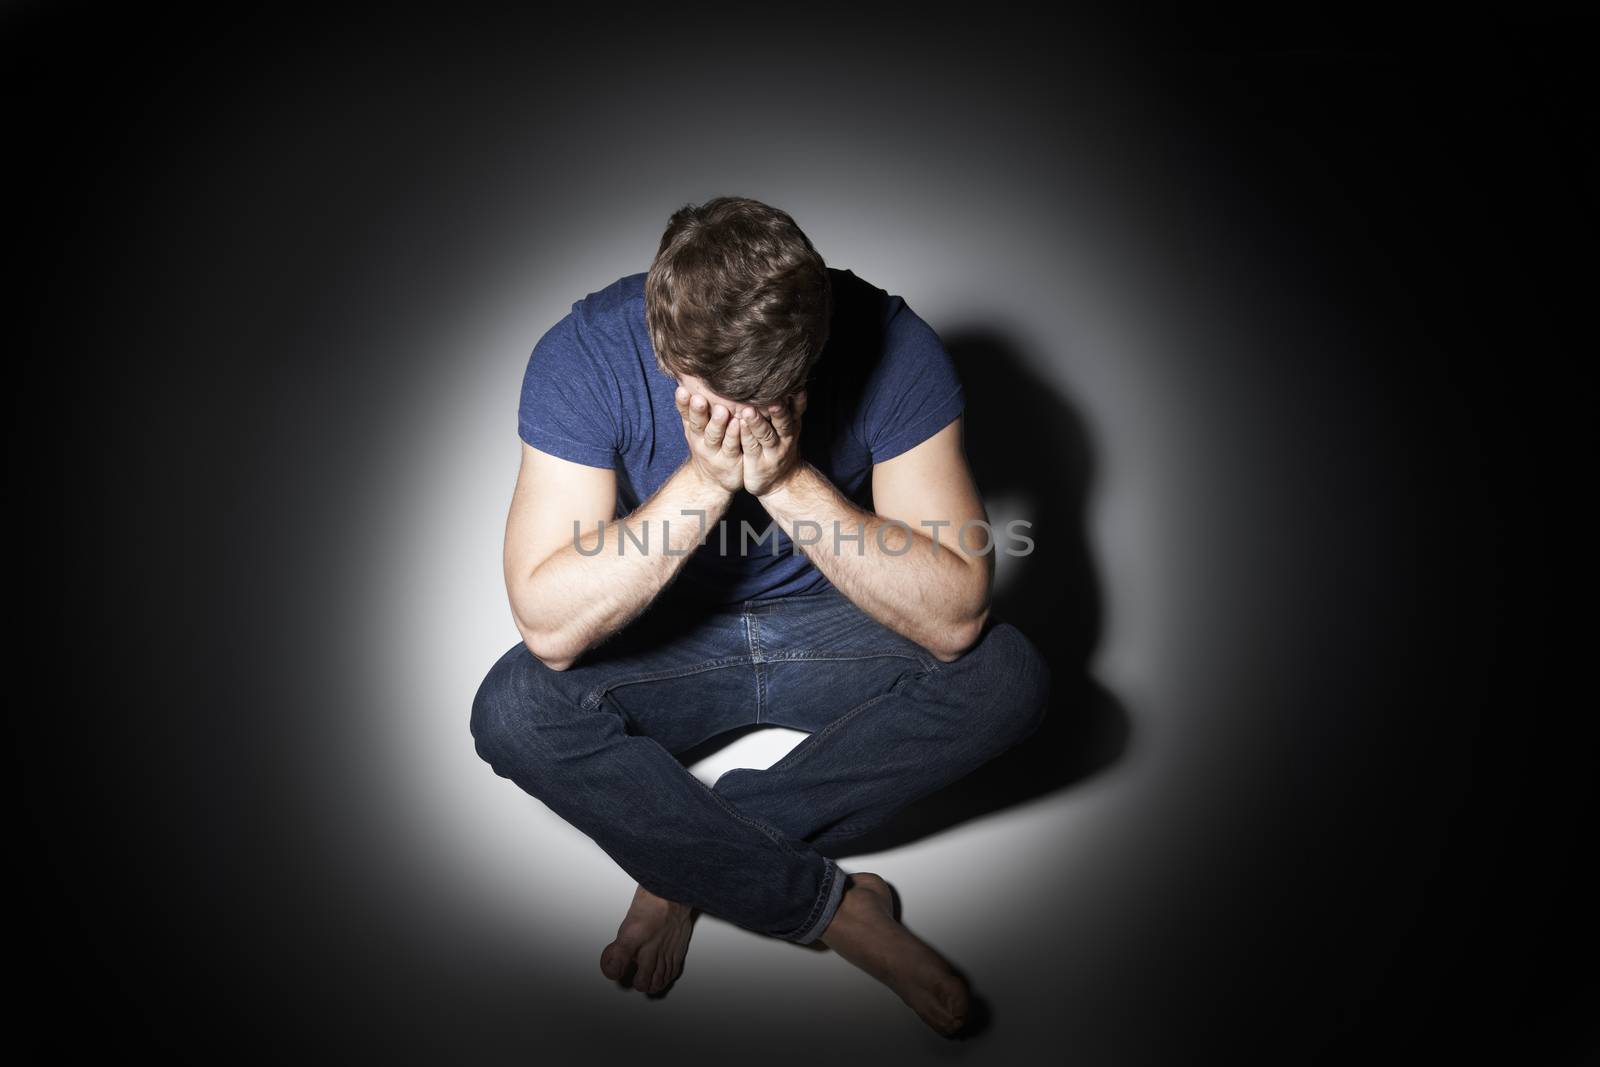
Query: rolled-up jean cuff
(827, 900)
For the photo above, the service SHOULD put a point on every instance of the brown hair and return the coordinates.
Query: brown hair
(737, 296)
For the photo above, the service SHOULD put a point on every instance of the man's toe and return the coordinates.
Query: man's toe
(614, 960)
(649, 973)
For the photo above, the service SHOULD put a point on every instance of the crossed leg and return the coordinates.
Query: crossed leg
(929, 728)
(596, 745)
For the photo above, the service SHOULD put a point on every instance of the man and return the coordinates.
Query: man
(801, 545)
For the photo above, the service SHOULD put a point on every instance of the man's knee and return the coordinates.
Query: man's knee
(1011, 680)
(502, 710)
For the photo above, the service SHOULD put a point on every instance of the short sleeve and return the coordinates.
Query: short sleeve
(568, 406)
(913, 392)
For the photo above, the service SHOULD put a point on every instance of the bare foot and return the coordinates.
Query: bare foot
(651, 943)
(865, 931)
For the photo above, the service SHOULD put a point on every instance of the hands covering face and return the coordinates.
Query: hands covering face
(746, 447)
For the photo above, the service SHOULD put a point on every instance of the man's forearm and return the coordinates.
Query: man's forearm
(603, 578)
(914, 584)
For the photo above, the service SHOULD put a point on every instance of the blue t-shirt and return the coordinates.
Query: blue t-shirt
(593, 394)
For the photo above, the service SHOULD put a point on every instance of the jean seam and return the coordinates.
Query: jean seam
(922, 656)
(598, 693)
(783, 842)
(843, 832)
(794, 755)
(848, 609)
(928, 662)
(823, 896)
(757, 657)
(800, 751)
(778, 836)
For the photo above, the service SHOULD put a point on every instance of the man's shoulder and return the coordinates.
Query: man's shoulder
(579, 377)
(860, 307)
(873, 330)
(612, 302)
(604, 326)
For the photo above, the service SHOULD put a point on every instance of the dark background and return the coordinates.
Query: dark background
(171, 440)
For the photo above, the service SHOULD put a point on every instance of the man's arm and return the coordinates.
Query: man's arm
(921, 582)
(570, 591)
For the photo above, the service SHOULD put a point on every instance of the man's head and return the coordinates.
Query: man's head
(738, 299)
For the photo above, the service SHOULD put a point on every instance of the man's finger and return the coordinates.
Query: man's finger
(717, 427)
(747, 439)
(730, 442)
(698, 413)
(680, 396)
(757, 428)
(783, 417)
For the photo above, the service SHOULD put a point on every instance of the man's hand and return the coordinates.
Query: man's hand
(937, 594)
(713, 437)
(771, 442)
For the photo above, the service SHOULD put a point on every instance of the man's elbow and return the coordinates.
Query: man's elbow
(553, 649)
(952, 641)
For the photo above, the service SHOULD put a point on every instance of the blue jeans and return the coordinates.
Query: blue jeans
(888, 723)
